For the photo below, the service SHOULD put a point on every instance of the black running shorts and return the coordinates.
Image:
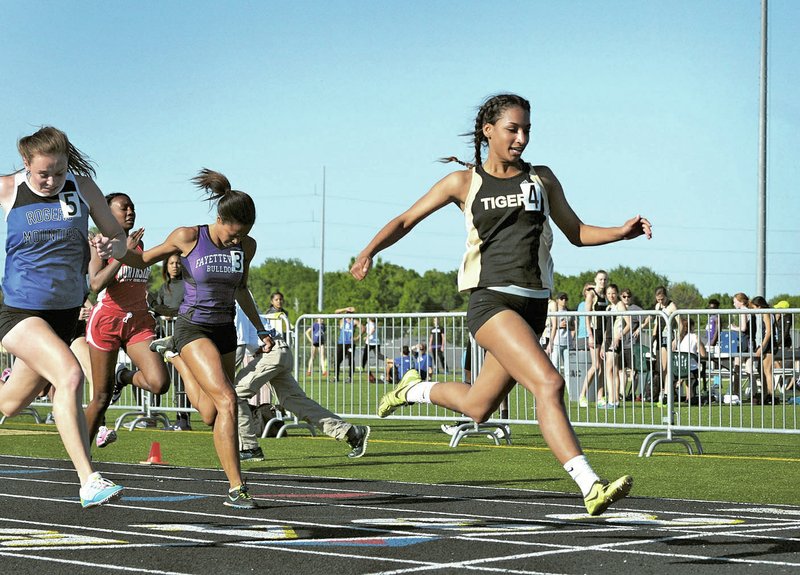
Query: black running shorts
(223, 335)
(485, 303)
(63, 321)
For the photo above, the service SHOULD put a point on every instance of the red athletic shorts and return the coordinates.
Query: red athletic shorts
(107, 330)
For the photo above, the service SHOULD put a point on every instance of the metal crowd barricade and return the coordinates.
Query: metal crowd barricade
(353, 376)
(145, 409)
(734, 384)
(284, 419)
(674, 394)
(667, 392)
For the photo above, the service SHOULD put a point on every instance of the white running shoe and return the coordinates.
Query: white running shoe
(98, 491)
(449, 429)
(731, 399)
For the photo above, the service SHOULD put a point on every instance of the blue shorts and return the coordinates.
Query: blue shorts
(485, 303)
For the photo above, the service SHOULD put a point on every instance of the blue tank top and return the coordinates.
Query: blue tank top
(47, 248)
(212, 276)
(317, 333)
(346, 331)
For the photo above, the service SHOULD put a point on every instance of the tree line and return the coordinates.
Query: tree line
(390, 288)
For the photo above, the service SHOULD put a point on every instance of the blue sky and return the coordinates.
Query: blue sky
(638, 107)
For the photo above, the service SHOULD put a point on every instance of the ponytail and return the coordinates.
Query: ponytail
(51, 141)
(232, 205)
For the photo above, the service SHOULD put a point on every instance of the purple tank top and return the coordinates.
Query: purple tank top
(212, 276)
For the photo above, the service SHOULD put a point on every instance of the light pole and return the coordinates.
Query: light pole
(761, 274)
(321, 289)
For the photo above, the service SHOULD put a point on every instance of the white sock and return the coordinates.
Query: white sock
(420, 392)
(582, 473)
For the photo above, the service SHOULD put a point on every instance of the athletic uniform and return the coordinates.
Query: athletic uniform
(436, 344)
(120, 317)
(371, 343)
(401, 365)
(47, 256)
(660, 332)
(507, 264)
(762, 334)
(599, 327)
(344, 345)
(317, 334)
(212, 275)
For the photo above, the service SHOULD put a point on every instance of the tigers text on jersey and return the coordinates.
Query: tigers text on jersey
(212, 276)
(508, 233)
(47, 248)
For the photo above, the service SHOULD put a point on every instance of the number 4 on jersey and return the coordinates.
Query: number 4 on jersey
(533, 196)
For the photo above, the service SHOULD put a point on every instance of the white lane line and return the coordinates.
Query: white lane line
(101, 566)
(434, 566)
(730, 512)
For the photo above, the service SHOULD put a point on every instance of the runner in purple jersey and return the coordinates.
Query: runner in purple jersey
(216, 258)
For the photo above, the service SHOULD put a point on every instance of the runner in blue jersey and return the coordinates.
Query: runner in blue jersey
(216, 259)
(508, 273)
(47, 207)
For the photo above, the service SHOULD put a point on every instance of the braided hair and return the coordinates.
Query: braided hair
(489, 112)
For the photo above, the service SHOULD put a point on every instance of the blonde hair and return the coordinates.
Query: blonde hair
(742, 298)
(50, 141)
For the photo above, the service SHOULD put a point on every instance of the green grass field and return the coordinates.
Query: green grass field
(737, 467)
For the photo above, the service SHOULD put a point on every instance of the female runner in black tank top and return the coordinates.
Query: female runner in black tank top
(513, 352)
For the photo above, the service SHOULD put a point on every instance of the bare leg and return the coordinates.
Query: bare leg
(514, 354)
(612, 394)
(102, 386)
(152, 375)
(80, 348)
(310, 367)
(593, 373)
(766, 374)
(197, 397)
(322, 363)
(41, 357)
(214, 375)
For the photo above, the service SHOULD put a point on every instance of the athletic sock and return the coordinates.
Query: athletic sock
(582, 473)
(420, 392)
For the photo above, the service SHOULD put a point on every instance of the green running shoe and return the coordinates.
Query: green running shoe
(604, 494)
(240, 498)
(397, 397)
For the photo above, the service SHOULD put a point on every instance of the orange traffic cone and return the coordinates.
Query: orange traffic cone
(155, 455)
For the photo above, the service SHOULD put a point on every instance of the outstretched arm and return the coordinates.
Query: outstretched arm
(180, 240)
(579, 233)
(450, 189)
(111, 235)
(101, 272)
